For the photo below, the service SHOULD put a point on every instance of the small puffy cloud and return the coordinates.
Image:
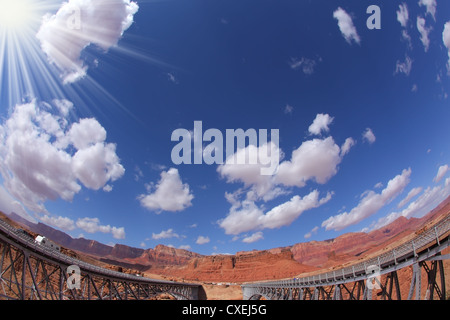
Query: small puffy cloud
(370, 203)
(313, 231)
(44, 157)
(92, 225)
(402, 15)
(442, 171)
(369, 136)
(430, 5)
(446, 40)
(78, 24)
(424, 32)
(316, 159)
(202, 240)
(346, 26)
(170, 194)
(320, 123)
(165, 234)
(253, 238)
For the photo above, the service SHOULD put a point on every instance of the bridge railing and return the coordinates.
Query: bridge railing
(58, 256)
(392, 257)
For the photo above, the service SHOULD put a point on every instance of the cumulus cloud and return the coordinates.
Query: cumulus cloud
(92, 225)
(10, 205)
(247, 215)
(63, 223)
(431, 7)
(202, 240)
(442, 171)
(316, 159)
(80, 23)
(371, 203)
(170, 194)
(320, 123)
(446, 40)
(165, 234)
(43, 158)
(424, 32)
(369, 136)
(254, 237)
(346, 26)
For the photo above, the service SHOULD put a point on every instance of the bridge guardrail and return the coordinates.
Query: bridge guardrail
(29, 242)
(402, 252)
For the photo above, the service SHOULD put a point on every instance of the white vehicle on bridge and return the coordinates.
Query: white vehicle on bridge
(43, 241)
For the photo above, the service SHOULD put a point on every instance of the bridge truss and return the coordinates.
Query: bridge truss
(29, 271)
(375, 278)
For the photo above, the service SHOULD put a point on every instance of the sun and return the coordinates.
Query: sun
(16, 15)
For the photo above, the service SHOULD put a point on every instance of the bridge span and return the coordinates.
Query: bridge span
(30, 271)
(377, 277)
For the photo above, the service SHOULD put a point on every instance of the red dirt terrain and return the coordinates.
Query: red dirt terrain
(299, 259)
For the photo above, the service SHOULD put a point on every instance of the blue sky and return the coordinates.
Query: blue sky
(88, 110)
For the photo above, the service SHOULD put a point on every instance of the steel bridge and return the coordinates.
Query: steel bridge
(377, 277)
(30, 271)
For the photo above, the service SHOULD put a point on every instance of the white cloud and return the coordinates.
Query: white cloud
(430, 5)
(369, 204)
(202, 240)
(254, 237)
(41, 158)
(63, 223)
(313, 231)
(414, 192)
(165, 234)
(346, 26)
(316, 159)
(9, 205)
(320, 123)
(446, 40)
(430, 198)
(170, 194)
(424, 32)
(250, 174)
(369, 136)
(402, 15)
(404, 67)
(348, 144)
(185, 247)
(92, 225)
(246, 215)
(80, 23)
(442, 171)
